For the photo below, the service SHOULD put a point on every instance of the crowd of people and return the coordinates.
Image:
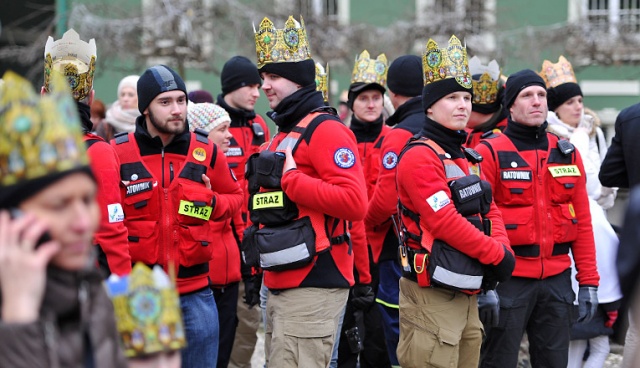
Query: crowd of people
(440, 214)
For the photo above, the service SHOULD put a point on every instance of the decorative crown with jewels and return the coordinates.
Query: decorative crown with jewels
(38, 135)
(287, 45)
(322, 81)
(485, 87)
(74, 59)
(439, 64)
(558, 73)
(147, 309)
(367, 70)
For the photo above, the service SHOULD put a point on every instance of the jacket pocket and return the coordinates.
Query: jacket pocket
(141, 204)
(563, 188)
(565, 223)
(195, 244)
(195, 207)
(520, 224)
(515, 192)
(143, 241)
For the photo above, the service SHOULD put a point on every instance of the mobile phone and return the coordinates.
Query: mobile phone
(45, 237)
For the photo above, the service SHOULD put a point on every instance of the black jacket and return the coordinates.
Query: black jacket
(620, 167)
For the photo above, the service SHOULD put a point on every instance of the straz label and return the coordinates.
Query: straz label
(190, 209)
(138, 188)
(567, 170)
(268, 200)
(469, 191)
(521, 175)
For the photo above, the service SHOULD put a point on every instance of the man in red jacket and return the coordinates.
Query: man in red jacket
(240, 83)
(77, 59)
(176, 184)
(538, 183)
(309, 186)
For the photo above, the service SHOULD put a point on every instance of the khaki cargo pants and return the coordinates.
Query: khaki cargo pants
(438, 328)
(301, 326)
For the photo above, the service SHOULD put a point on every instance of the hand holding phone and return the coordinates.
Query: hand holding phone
(45, 237)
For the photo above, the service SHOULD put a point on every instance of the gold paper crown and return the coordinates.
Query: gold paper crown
(438, 64)
(485, 88)
(38, 135)
(557, 74)
(322, 81)
(147, 308)
(367, 70)
(287, 45)
(74, 59)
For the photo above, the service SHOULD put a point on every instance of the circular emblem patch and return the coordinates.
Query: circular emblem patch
(390, 160)
(199, 154)
(344, 158)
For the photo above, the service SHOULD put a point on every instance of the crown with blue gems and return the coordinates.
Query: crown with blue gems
(367, 70)
(74, 59)
(322, 81)
(558, 73)
(439, 64)
(39, 135)
(287, 45)
(147, 310)
(485, 88)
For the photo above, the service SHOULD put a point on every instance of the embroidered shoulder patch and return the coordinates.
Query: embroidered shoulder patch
(344, 158)
(116, 214)
(438, 201)
(390, 160)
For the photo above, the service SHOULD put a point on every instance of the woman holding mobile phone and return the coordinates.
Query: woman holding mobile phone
(54, 311)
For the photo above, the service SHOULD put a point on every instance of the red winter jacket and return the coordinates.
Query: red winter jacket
(168, 210)
(428, 195)
(111, 236)
(542, 195)
(383, 203)
(224, 267)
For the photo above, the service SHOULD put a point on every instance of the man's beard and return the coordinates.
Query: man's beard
(165, 129)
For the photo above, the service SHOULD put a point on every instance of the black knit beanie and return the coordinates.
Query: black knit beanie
(156, 80)
(302, 73)
(358, 87)
(519, 81)
(432, 92)
(238, 72)
(405, 76)
(559, 94)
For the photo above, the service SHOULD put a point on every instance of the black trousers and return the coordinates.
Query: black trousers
(375, 348)
(543, 308)
(227, 303)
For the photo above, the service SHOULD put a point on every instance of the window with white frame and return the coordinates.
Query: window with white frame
(613, 16)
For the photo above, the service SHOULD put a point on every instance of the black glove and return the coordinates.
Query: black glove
(362, 296)
(252, 287)
(587, 303)
(502, 271)
(489, 308)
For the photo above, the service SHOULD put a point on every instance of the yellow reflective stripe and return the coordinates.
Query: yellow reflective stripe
(190, 209)
(386, 304)
(268, 200)
(566, 170)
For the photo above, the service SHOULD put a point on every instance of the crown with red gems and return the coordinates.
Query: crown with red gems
(74, 59)
(558, 73)
(147, 309)
(439, 64)
(322, 81)
(287, 45)
(485, 88)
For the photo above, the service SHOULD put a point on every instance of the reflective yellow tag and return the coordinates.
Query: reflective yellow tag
(268, 200)
(566, 170)
(190, 209)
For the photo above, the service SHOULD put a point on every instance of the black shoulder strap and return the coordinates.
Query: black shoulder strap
(92, 141)
(122, 137)
(202, 136)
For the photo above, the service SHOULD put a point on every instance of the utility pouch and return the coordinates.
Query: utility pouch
(454, 270)
(286, 247)
(272, 208)
(248, 248)
(467, 193)
(269, 167)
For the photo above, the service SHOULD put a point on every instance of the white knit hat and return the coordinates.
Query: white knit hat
(206, 116)
(128, 81)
